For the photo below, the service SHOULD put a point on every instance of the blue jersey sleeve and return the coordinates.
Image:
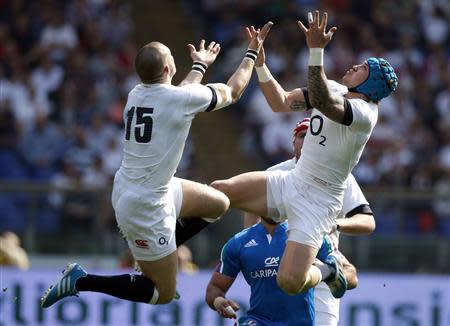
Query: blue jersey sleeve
(326, 248)
(230, 264)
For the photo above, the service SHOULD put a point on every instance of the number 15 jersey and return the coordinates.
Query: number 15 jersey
(157, 121)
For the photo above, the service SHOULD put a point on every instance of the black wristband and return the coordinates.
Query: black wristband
(251, 54)
(200, 67)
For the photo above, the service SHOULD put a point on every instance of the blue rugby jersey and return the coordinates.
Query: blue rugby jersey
(257, 255)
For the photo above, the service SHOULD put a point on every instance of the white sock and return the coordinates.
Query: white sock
(325, 270)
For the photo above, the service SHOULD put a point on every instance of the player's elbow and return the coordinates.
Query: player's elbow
(236, 94)
(369, 224)
(372, 225)
(224, 186)
(237, 88)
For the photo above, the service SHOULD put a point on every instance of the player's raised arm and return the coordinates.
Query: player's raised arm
(226, 94)
(202, 59)
(359, 218)
(278, 99)
(241, 77)
(358, 224)
(320, 95)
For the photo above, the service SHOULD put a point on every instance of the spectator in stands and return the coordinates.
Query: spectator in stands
(9, 131)
(42, 147)
(58, 36)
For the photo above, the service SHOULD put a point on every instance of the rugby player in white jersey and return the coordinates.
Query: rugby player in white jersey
(146, 196)
(355, 218)
(311, 195)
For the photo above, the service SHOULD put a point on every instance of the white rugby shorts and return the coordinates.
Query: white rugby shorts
(311, 210)
(147, 220)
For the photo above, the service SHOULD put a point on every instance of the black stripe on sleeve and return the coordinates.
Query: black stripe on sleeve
(213, 103)
(306, 96)
(361, 209)
(348, 113)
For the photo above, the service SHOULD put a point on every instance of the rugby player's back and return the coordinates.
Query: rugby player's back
(157, 120)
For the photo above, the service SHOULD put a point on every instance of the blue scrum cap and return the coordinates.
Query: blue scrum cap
(380, 83)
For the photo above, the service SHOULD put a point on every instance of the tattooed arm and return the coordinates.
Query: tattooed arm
(281, 101)
(332, 106)
(320, 97)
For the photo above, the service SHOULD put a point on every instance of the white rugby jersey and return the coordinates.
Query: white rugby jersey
(157, 121)
(284, 166)
(324, 302)
(331, 150)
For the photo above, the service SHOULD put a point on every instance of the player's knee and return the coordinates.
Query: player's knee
(224, 186)
(222, 203)
(351, 276)
(217, 205)
(289, 284)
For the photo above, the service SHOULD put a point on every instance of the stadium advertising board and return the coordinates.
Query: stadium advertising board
(392, 299)
(381, 299)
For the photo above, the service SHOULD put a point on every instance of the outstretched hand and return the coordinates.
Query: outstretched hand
(257, 36)
(316, 35)
(208, 55)
(261, 58)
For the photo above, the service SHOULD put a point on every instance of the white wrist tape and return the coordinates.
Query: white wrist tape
(315, 57)
(264, 74)
(230, 310)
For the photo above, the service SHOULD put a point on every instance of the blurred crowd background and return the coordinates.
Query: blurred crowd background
(67, 67)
